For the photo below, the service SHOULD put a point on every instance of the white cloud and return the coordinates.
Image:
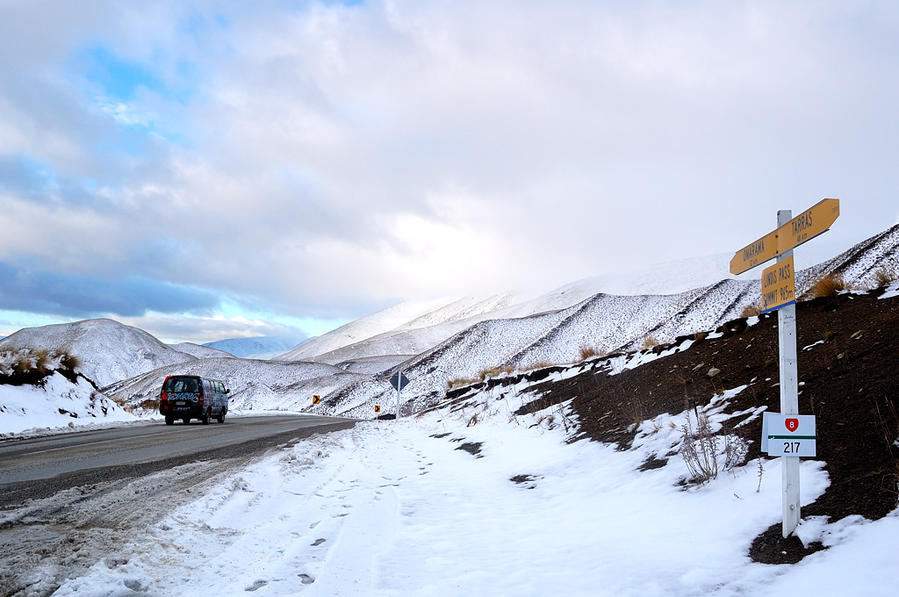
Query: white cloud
(332, 158)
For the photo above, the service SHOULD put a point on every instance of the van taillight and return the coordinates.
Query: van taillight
(163, 397)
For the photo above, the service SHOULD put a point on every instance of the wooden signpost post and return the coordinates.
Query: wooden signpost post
(779, 293)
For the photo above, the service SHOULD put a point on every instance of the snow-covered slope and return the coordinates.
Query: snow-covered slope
(108, 350)
(366, 327)
(432, 328)
(861, 265)
(200, 351)
(372, 365)
(254, 384)
(59, 403)
(260, 347)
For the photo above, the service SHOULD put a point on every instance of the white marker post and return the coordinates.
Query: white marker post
(789, 394)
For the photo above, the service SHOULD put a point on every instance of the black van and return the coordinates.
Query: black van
(189, 397)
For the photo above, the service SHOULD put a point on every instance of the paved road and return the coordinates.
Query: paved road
(69, 501)
(49, 457)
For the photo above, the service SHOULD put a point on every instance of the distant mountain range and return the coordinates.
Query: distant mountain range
(260, 347)
(200, 351)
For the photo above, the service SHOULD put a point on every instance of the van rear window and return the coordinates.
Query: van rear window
(180, 384)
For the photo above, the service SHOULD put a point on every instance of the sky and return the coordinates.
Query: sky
(206, 170)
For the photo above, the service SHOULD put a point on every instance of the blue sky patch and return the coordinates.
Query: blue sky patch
(117, 77)
(37, 290)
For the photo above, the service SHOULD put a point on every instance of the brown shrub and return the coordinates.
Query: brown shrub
(883, 278)
(752, 310)
(829, 285)
(495, 371)
(588, 351)
(650, 342)
(461, 382)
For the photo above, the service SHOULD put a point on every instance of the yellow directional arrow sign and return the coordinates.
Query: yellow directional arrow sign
(804, 227)
(807, 225)
(754, 253)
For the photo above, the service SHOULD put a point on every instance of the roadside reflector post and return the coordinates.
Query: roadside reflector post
(399, 381)
(789, 394)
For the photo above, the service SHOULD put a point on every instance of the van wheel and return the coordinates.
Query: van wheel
(169, 420)
(205, 418)
(221, 417)
(186, 420)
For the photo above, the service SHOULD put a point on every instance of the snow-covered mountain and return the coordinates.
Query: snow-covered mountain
(200, 351)
(108, 350)
(363, 328)
(260, 347)
(602, 323)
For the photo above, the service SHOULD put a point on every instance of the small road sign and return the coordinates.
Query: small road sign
(803, 228)
(788, 435)
(316, 399)
(377, 408)
(399, 380)
(778, 285)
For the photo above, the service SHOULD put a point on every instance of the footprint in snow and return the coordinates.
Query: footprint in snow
(317, 542)
(256, 585)
(306, 579)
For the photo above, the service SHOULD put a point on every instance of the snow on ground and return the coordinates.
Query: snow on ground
(891, 291)
(480, 502)
(58, 404)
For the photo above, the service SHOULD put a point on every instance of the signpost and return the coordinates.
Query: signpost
(399, 381)
(778, 285)
(786, 434)
(316, 399)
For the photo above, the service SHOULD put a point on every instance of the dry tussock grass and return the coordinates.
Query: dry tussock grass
(828, 285)
(883, 278)
(495, 372)
(752, 310)
(650, 342)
